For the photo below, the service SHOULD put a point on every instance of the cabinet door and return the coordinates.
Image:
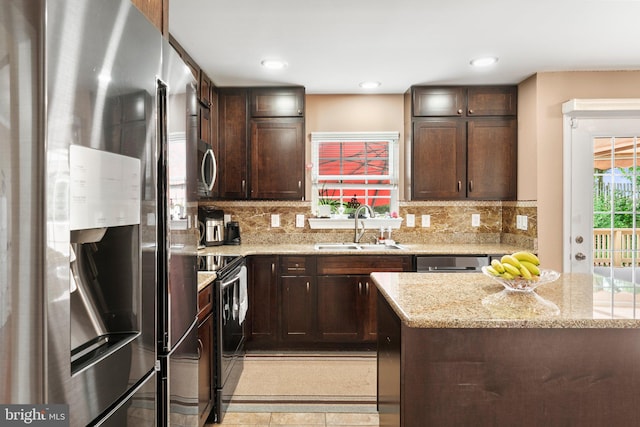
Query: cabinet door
(205, 124)
(492, 159)
(205, 368)
(277, 102)
(438, 168)
(370, 318)
(389, 370)
(233, 154)
(298, 308)
(277, 159)
(340, 308)
(492, 101)
(205, 90)
(438, 101)
(262, 318)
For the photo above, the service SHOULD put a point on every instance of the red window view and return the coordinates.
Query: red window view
(354, 173)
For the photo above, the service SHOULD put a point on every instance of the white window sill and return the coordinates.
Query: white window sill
(348, 223)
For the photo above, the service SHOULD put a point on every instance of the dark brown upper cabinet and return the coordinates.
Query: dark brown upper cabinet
(277, 102)
(463, 143)
(261, 157)
(473, 101)
(438, 101)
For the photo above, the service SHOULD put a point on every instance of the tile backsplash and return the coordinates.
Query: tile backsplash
(449, 222)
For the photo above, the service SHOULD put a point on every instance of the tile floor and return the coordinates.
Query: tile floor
(297, 419)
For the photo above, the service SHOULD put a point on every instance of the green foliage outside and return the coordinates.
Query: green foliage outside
(623, 205)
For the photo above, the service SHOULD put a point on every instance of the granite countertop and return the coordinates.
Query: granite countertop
(411, 249)
(449, 300)
(205, 278)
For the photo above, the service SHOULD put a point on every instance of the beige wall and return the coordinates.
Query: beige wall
(353, 113)
(527, 140)
(541, 97)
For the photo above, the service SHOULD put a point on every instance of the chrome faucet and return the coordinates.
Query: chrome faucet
(357, 235)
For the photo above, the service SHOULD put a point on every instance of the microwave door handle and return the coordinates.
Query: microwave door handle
(210, 180)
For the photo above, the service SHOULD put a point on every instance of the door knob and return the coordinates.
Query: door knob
(580, 256)
(579, 239)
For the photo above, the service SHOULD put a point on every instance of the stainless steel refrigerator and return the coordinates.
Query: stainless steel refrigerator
(85, 90)
(178, 345)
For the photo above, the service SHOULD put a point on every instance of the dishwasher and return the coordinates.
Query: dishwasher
(451, 263)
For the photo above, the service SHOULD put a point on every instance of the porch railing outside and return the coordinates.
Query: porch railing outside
(619, 246)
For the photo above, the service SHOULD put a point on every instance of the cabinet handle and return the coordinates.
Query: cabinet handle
(359, 288)
(366, 288)
(299, 185)
(470, 111)
(243, 184)
(307, 287)
(470, 186)
(460, 111)
(459, 186)
(273, 268)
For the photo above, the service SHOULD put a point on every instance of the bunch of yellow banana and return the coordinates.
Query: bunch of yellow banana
(519, 264)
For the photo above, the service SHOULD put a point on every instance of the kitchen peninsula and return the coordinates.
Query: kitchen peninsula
(445, 358)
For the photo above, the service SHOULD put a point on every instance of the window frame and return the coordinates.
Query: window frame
(392, 138)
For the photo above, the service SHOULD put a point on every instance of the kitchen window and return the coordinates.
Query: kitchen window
(354, 168)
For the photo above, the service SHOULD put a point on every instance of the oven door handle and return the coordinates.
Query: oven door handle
(229, 282)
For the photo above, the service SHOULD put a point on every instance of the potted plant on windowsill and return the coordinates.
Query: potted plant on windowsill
(326, 204)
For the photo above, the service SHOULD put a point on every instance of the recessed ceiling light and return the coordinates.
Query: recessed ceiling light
(273, 64)
(484, 61)
(369, 85)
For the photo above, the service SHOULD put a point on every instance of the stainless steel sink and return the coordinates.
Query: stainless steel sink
(375, 247)
(356, 247)
(336, 246)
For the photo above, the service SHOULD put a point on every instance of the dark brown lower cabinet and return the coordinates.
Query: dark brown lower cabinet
(205, 354)
(262, 318)
(340, 309)
(308, 301)
(297, 308)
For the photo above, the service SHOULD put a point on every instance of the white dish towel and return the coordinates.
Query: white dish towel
(244, 302)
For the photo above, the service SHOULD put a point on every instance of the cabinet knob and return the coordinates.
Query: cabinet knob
(470, 111)
(460, 111)
(299, 112)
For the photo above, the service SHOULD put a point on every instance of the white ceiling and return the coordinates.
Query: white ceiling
(332, 45)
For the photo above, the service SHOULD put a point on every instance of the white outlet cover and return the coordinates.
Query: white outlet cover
(475, 220)
(299, 220)
(275, 220)
(525, 222)
(227, 218)
(411, 220)
(426, 221)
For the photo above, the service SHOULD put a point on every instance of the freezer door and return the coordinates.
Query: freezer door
(182, 374)
(138, 409)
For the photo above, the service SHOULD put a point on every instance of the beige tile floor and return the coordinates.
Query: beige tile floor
(296, 419)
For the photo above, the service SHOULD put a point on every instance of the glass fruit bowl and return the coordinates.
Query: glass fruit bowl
(520, 284)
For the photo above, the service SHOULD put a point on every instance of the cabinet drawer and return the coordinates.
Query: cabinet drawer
(365, 264)
(297, 266)
(205, 302)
